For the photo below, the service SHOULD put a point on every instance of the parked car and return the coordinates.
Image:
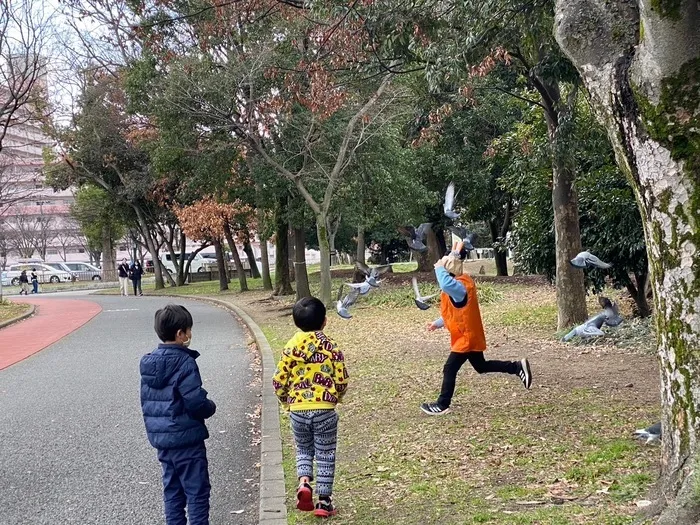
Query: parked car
(44, 273)
(61, 266)
(195, 266)
(4, 278)
(85, 271)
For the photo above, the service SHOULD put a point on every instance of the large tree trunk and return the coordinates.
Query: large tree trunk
(325, 249)
(153, 247)
(240, 272)
(109, 265)
(283, 285)
(291, 252)
(358, 276)
(641, 64)
(427, 260)
(221, 264)
(248, 249)
(302, 275)
(265, 260)
(500, 255)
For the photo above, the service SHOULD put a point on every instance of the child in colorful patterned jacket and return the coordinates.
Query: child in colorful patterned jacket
(310, 380)
(459, 307)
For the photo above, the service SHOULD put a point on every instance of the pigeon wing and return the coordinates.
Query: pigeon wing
(450, 196)
(596, 320)
(594, 261)
(379, 270)
(591, 331)
(416, 291)
(422, 230)
(351, 297)
(340, 293)
(407, 231)
(459, 231)
(363, 268)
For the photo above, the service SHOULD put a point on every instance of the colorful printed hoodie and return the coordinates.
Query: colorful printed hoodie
(311, 373)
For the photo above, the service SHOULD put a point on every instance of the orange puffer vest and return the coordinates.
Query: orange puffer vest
(464, 323)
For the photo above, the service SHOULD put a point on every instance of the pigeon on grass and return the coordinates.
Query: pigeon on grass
(651, 434)
(588, 260)
(344, 303)
(415, 237)
(372, 274)
(591, 328)
(420, 300)
(612, 314)
(449, 206)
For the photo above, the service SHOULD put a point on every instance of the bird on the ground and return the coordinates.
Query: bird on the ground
(372, 274)
(450, 202)
(465, 236)
(591, 328)
(344, 303)
(363, 287)
(420, 300)
(651, 434)
(415, 237)
(588, 260)
(612, 314)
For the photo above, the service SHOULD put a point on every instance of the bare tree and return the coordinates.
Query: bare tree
(20, 233)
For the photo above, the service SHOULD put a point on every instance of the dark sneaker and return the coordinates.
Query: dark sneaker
(324, 508)
(524, 373)
(305, 497)
(433, 409)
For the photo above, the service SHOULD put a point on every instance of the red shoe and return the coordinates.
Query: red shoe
(305, 497)
(325, 508)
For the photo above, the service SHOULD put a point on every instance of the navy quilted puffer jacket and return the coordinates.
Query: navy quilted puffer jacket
(173, 402)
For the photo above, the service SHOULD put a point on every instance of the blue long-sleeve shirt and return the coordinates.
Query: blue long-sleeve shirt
(451, 287)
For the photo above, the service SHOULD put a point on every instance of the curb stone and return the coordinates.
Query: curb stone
(273, 508)
(22, 317)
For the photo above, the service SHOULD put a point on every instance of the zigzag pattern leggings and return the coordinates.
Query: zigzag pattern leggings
(315, 435)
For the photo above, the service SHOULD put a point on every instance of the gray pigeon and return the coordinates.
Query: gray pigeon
(420, 300)
(363, 287)
(344, 303)
(449, 205)
(588, 260)
(651, 434)
(591, 328)
(467, 238)
(415, 237)
(372, 274)
(612, 314)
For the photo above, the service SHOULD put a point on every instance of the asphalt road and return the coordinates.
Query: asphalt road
(73, 448)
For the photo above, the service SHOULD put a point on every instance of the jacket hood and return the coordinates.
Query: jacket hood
(307, 343)
(159, 366)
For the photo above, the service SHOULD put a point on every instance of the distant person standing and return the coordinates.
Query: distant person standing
(123, 269)
(136, 274)
(23, 283)
(35, 281)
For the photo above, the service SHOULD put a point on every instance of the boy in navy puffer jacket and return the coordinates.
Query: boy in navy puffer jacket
(174, 406)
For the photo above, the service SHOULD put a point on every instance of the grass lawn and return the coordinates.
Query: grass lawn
(558, 454)
(9, 310)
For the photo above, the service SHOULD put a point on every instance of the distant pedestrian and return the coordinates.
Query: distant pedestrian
(123, 278)
(174, 406)
(136, 272)
(23, 283)
(35, 281)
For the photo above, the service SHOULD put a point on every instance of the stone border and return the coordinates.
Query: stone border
(273, 508)
(23, 316)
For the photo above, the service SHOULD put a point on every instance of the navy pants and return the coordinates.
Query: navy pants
(186, 482)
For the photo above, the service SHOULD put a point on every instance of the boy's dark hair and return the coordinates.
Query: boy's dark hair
(309, 314)
(170, 319)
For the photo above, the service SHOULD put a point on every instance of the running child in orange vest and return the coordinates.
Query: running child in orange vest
(459, 307)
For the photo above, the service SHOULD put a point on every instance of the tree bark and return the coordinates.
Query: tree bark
(427, 260)
(640, 61)
(333, 227)
(109, 265)
(291, 252)
(240, 272)
(248, 249)
(300, 271)
(265, 259)
(358, 276)
(221, 264)
(283, 285)
(325, 249)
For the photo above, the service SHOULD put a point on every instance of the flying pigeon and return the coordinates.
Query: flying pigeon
(450, 202)
(467, 238)
(371, 274)
(416, 236)
(591, 328)
(420, 300)
(343, 305)
(363, 287)
(587, 259)
(651, 434)
(612, 314)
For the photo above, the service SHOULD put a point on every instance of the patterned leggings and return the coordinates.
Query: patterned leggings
(315, 434)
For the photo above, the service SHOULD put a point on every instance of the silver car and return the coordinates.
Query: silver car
(84, 271)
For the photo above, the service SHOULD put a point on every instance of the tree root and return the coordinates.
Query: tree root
(684, 509)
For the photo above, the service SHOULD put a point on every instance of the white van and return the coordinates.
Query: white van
(197, 264)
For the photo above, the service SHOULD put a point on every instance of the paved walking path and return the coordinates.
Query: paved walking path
(73, 448)
(53, 320)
